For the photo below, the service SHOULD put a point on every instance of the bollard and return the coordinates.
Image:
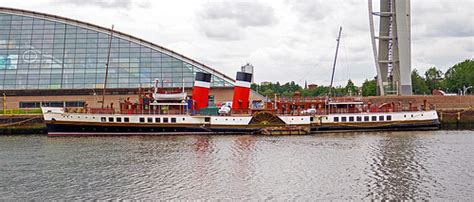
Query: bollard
(458, 119)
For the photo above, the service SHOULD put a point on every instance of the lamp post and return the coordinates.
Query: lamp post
(4, 104)
(464, 89)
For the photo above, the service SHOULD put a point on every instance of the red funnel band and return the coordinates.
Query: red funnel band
(202, 83)
(241, 98)
(201, 97)
(242, 91)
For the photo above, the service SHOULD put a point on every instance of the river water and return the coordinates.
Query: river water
(366, 165)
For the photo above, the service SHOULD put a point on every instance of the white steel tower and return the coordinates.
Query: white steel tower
(393, 53)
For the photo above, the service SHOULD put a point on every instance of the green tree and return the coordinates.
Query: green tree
(350, 88)
(433, 78)
(418, 83)
(369, 88)
(461, 74)
(268, 92)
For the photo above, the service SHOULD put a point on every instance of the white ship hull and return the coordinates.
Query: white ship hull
(61, 123)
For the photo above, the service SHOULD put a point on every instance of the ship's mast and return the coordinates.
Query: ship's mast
(335, 59)
(107, 66)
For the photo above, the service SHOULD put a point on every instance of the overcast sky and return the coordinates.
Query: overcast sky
(286, 40)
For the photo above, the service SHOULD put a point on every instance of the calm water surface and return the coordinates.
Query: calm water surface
(376, 165)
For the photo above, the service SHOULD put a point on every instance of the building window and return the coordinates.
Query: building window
(157, 120)
(142, 120)
(374, 118)
(343, 119)
(30, 105)
(126, 119)
(149, 120)
(389, 117)
(359, 118)
(381, 118)
(336, 119)
(165, 120)
(173, 120)
(351, 119)
(53, 104)
(119, 119)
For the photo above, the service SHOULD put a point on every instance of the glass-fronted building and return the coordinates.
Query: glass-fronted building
(45, 52)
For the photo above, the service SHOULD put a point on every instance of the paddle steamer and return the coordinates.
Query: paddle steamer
(173, 112)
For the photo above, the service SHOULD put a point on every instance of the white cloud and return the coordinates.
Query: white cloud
(284, 39)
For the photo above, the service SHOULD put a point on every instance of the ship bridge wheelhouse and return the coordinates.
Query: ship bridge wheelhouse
(345, 107)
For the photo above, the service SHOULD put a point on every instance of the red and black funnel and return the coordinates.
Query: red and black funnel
(242, 91)
(202, 83)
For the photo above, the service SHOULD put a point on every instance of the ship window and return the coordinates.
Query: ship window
(119, 119)
(343, 119)
(366, 118)
(412, 115)
(111, 119)
(126, 119)
(207, 119)
(103, 119)
(336, 119)
(359, 118)
(389, 118)
(157, 120)
(149, 120)
(142, 120)
(381, 118)
(351, 118)
(311, 119)
(173, 120)
(165, 120)
(184, 119)
(374, 118)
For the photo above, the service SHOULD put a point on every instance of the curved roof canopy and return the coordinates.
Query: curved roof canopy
(118, 34)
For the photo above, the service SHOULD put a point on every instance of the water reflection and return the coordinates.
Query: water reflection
(350, 166)
(397, 168)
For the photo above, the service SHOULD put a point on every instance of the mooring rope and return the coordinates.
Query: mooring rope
(18, 122)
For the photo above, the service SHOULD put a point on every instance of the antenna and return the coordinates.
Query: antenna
(335, 59)
(107, 66)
